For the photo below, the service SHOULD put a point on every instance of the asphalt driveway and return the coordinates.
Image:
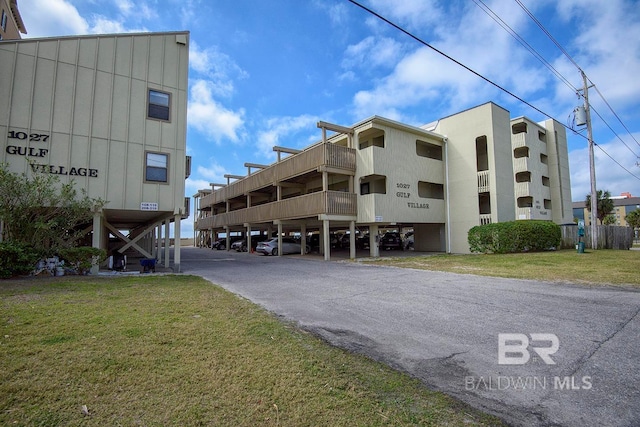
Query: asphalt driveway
(573, 358)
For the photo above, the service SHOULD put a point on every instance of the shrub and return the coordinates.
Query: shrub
(17, 258)
(514, 236)
(81, 258)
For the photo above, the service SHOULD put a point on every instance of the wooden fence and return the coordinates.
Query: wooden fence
(609, 237)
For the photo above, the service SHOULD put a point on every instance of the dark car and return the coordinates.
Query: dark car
(391, 240)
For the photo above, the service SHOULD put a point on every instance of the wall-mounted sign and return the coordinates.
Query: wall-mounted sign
(148, 206)
(378, 218)
(41, 153)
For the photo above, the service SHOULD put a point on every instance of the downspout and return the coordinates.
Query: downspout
(445, 142)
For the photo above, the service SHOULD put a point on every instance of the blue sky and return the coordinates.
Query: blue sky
(263, 72)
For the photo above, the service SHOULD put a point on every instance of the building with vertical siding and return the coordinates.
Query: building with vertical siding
(11, 25)
(108, 112)
(475, 167)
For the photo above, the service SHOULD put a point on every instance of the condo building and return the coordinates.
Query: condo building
(475, 167)
(108, 112)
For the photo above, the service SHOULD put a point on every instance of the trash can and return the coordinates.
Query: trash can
(580, 247)
(147, 265)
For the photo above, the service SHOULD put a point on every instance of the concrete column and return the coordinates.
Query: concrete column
(279, 239)
(325, 239)
(352, 239)
(167, 243)
(303, 239)
(321, 240)
(176, 246)
(228, 239)
(249, 238)
(96, 241)
(325, 181)
(374, 250)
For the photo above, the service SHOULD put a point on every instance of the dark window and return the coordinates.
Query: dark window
(159, 105)
(525, 202)
(521, 152)
(376, 141)
(4, 21)
(519, 128)
(426, 149)
(430, 190)
(156, 167)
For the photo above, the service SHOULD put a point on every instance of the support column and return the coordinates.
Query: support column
(167, 243)
(249, 238)
(325, 239)
(374, 250)
(96, 241)
(279, 239)
(176, 245)
(228, 238)
(303, 239)
(352, 239)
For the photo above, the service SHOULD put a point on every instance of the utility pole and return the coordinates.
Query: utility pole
(592, 166)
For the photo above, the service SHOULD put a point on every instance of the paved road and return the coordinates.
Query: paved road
(443, 328)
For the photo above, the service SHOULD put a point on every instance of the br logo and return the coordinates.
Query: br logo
(513, 349)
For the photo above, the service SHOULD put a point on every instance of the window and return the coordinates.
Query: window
(545, 181)
(3, 23)
(159, 105)
(519, 128)
(156, 167)
(430, 190)
(521, 152)
(523, 176)
(525, 202)
(547, 204)
(426, 149)
(371, 138)
(544, 159)
(482, 157)
(373, 184)
(542, 136)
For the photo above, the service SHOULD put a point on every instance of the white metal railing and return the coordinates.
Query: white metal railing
(485, 219)
(483, 182)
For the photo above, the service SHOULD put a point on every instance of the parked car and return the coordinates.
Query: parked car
(289, 246)
(237, 245)
(391, 240)
(254, 243)
(221, 244)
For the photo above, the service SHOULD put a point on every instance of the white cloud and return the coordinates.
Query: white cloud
(281, 127)
(209, 117)
(218, 67)
(46, 18)
(372, 52)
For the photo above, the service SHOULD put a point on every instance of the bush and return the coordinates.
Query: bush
(81, 258)
(17, 258)
(515, 236)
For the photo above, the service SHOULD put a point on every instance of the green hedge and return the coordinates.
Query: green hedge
(17, 259)
(515, 236)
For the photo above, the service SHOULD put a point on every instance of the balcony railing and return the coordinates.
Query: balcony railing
(485, 219)
(308, 205)
(483, 182)
(328, 155)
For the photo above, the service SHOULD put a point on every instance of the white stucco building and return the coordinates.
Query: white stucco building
(109, 112)
(439, 180)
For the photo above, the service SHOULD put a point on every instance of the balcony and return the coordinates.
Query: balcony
(308, 205)
(483, 182)
(316, 158)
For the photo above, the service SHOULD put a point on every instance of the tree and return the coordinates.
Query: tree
(604, 204)
(633, 219)
(609, 220)
(42, 212)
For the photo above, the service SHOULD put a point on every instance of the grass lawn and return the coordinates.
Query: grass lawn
(176, 350)
(592, 267)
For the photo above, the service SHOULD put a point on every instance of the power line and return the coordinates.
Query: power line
(614, 132)
(419, 40)
(616, 162)
(563, 50)
(486, 9)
